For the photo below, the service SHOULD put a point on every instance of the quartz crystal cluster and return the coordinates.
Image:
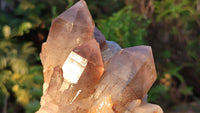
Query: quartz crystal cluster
(84, 73)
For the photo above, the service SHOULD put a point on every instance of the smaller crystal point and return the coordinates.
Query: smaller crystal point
(52, 94)
(56, 82)
(128, 75)
(143, 78)
(94, 69)
(146, 75)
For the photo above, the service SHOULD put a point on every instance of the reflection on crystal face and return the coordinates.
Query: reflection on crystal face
(73, 67)
(78, 92)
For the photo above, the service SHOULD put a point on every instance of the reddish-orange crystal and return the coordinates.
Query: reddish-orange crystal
(128, 75)
(87, 75)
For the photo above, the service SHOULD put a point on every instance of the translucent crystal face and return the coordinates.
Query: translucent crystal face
(70, 29)
(74, 67)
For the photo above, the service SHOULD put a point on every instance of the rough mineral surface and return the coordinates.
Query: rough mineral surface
(84, 73)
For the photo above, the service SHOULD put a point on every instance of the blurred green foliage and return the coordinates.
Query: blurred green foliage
(20, 74)
(176, 25)
(20, 77)
(125, 27)
(171, 27)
